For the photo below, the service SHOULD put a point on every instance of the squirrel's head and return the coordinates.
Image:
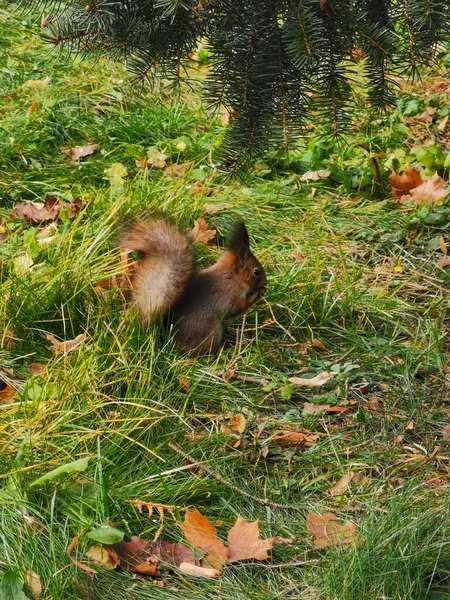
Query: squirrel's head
(250, 270)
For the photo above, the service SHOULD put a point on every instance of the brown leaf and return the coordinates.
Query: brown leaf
(200, 232)
(442, 245)
(178, 170)
(36, 368)
(38, 212)
(327, 530)
(137, 556)
(105, 557)
(33, 106)
(427, 115)
(184, 383)
(195, 571)
(34, 583)
(286, 437)
(433, 190)
(201, 534)
(236, 424)
(80, 151)
(318, 344)
(446, 432)
(70, 548)
(7, 392)
(175, 554)
(315, 175)
(244, 542)
(316, 381)
(341, 486)
(443, 124)
(34, 83)
(141, 163)
(298, 256)
(444, 262)
(404, 183)
(310, 409)
(65, 347)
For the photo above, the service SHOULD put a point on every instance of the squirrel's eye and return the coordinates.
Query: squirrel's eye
(256, 272)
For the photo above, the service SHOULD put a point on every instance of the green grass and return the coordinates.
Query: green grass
(118, 398)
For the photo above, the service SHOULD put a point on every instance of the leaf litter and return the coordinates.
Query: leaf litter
(327, 530)
(47, 211)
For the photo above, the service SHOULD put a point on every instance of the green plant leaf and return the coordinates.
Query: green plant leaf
(11, 587)
(106, 535)
(72, 467)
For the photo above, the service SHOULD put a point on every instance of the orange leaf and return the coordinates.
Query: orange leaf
(341, 486)
(201, 534)
(404, 183)
(200, 232)
(446, 432)
(236, 424)
(244, 542)
(442, 245)
(433, 190)
(444, 262)
(327, 530)
(286, 437)
(318, 344)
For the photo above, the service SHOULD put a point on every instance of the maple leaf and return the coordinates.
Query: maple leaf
(433, 190)
(404, 183)
(48, 211)
(200, 232)
(201, 534)
(80, 151)
(317, 381)
(244, 542)
(65, 347)
(327, 530)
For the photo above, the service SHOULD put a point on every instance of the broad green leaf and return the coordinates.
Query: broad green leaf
(11, 587)
(72, 467)
(106, 535)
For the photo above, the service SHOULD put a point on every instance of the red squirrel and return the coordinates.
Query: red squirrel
(168, 284)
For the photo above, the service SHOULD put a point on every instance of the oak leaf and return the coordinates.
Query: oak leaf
(327, 530)
(404, 183)
(200, 232)
(244, 542)
(201, 534)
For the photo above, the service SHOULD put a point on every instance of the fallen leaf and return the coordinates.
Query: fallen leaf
(433, 190)
(184, 383)
(201, 534)
(65, 347)
(175, 554)
(442, 245)
(33, 106)
(195, 571)
(70, 548)
(286, 437)
(155, 158)
(215, 208)
(34, 583)
(38, 212)
(446, 432)
(310, 409)
(443, 124)
(427, 115)
(318, 344)
(7, 392)
(327, 530)
(34, 83)
(444, 262)
(316, 381)
(107, 558)
(36, 368)
(141, 163)
(341, 486)
(80, 151)
(200, 232)
(137, 556)
(404, 183)
(244, 542)
(177, 170)
(315, 175)
(298, 256)
(236, 424)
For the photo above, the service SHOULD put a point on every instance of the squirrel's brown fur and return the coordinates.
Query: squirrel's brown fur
(167, 282)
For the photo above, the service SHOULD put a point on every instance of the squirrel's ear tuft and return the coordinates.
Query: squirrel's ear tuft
(240, 242)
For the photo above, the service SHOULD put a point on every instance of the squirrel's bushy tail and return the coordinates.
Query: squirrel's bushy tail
(162, 273)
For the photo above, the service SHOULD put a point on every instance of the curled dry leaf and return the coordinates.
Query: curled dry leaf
(341, 486)
(404, 183)
(80, 151)
(34, 583)
(426, 116)
(316, 381)
(318, 344)
(244, 542)
(201, 534)
(236, 424)
(298, 256)
(286, 437)
(105, 557)
(70, 548)
(195, 571)
(65, 347)
(44, 212)
(310, 408)
(443, 124)
(327, 530)
(200, 232)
